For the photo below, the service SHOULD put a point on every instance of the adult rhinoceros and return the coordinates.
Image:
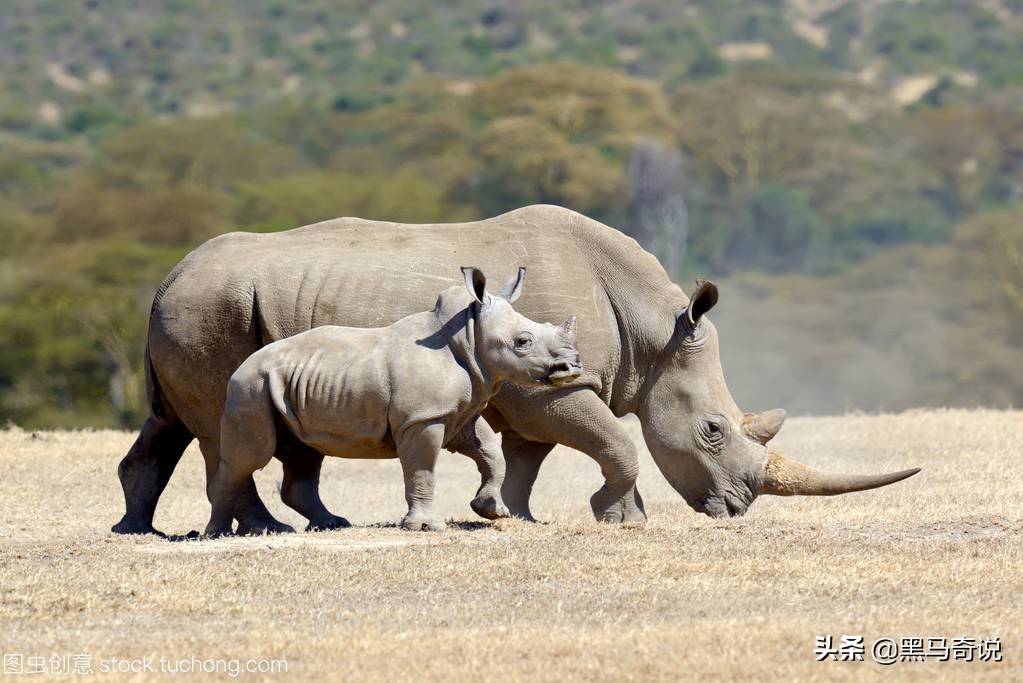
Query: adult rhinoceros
(646, 349)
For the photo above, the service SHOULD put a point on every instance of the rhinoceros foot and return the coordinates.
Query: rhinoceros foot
(523, 513)
(489, 507)
(626, 510)
(264, 526)
(129, 526)
(328, 523)
(421, 523)
(211, 535)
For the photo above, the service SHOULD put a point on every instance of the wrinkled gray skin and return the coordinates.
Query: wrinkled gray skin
(648, 349)
(404, 391)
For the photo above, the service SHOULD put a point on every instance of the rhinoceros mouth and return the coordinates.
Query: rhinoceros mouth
(721, 507)
(562, 372)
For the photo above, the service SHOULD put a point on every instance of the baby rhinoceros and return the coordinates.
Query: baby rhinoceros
(402, 391)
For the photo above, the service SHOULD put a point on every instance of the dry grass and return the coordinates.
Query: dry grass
(684, 598)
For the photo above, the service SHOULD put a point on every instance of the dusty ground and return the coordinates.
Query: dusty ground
(940, 555)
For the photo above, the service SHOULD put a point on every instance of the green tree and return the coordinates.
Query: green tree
(72, 334)
(963, 152)
(315, 196)
(989, 251)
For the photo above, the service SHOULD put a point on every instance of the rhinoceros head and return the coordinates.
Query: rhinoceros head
(711, 452)
(514, 347)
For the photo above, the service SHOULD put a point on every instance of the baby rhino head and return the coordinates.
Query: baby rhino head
(515, 348)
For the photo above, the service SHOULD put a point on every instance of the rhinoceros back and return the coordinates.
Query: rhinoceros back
(241, 291)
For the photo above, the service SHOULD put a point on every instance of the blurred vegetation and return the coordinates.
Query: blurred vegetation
(852, 172)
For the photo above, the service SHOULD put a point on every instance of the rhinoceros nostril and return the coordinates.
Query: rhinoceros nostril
(562, 372)
(734, 509)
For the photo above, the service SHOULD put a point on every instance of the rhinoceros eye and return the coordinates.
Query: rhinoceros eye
(523, 342)
(714, 430)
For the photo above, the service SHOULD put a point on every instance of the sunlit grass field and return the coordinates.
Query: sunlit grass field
(685, 598)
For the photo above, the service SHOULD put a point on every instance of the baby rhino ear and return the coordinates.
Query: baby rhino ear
(475, 282)
(512, 289)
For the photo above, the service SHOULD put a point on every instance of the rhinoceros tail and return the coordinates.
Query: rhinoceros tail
(153, 394)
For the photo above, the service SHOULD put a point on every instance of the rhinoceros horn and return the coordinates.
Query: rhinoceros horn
(784, 477)
(762, 427)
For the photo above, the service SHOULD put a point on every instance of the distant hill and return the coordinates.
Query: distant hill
(80, 65)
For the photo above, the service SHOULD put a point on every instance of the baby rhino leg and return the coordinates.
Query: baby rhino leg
(247, 442)
(418, 448)
(480, 443)
(300, 488)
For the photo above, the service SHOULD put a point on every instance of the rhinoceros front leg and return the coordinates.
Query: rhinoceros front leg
(577, 418)
(418, 447)
(478, 441)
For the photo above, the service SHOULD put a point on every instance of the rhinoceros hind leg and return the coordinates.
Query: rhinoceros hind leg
(252, 515)
(300, 489)
(145, 471)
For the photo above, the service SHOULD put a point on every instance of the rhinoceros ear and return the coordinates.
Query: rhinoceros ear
(702, 300)
(512, 289)
(475, 282)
